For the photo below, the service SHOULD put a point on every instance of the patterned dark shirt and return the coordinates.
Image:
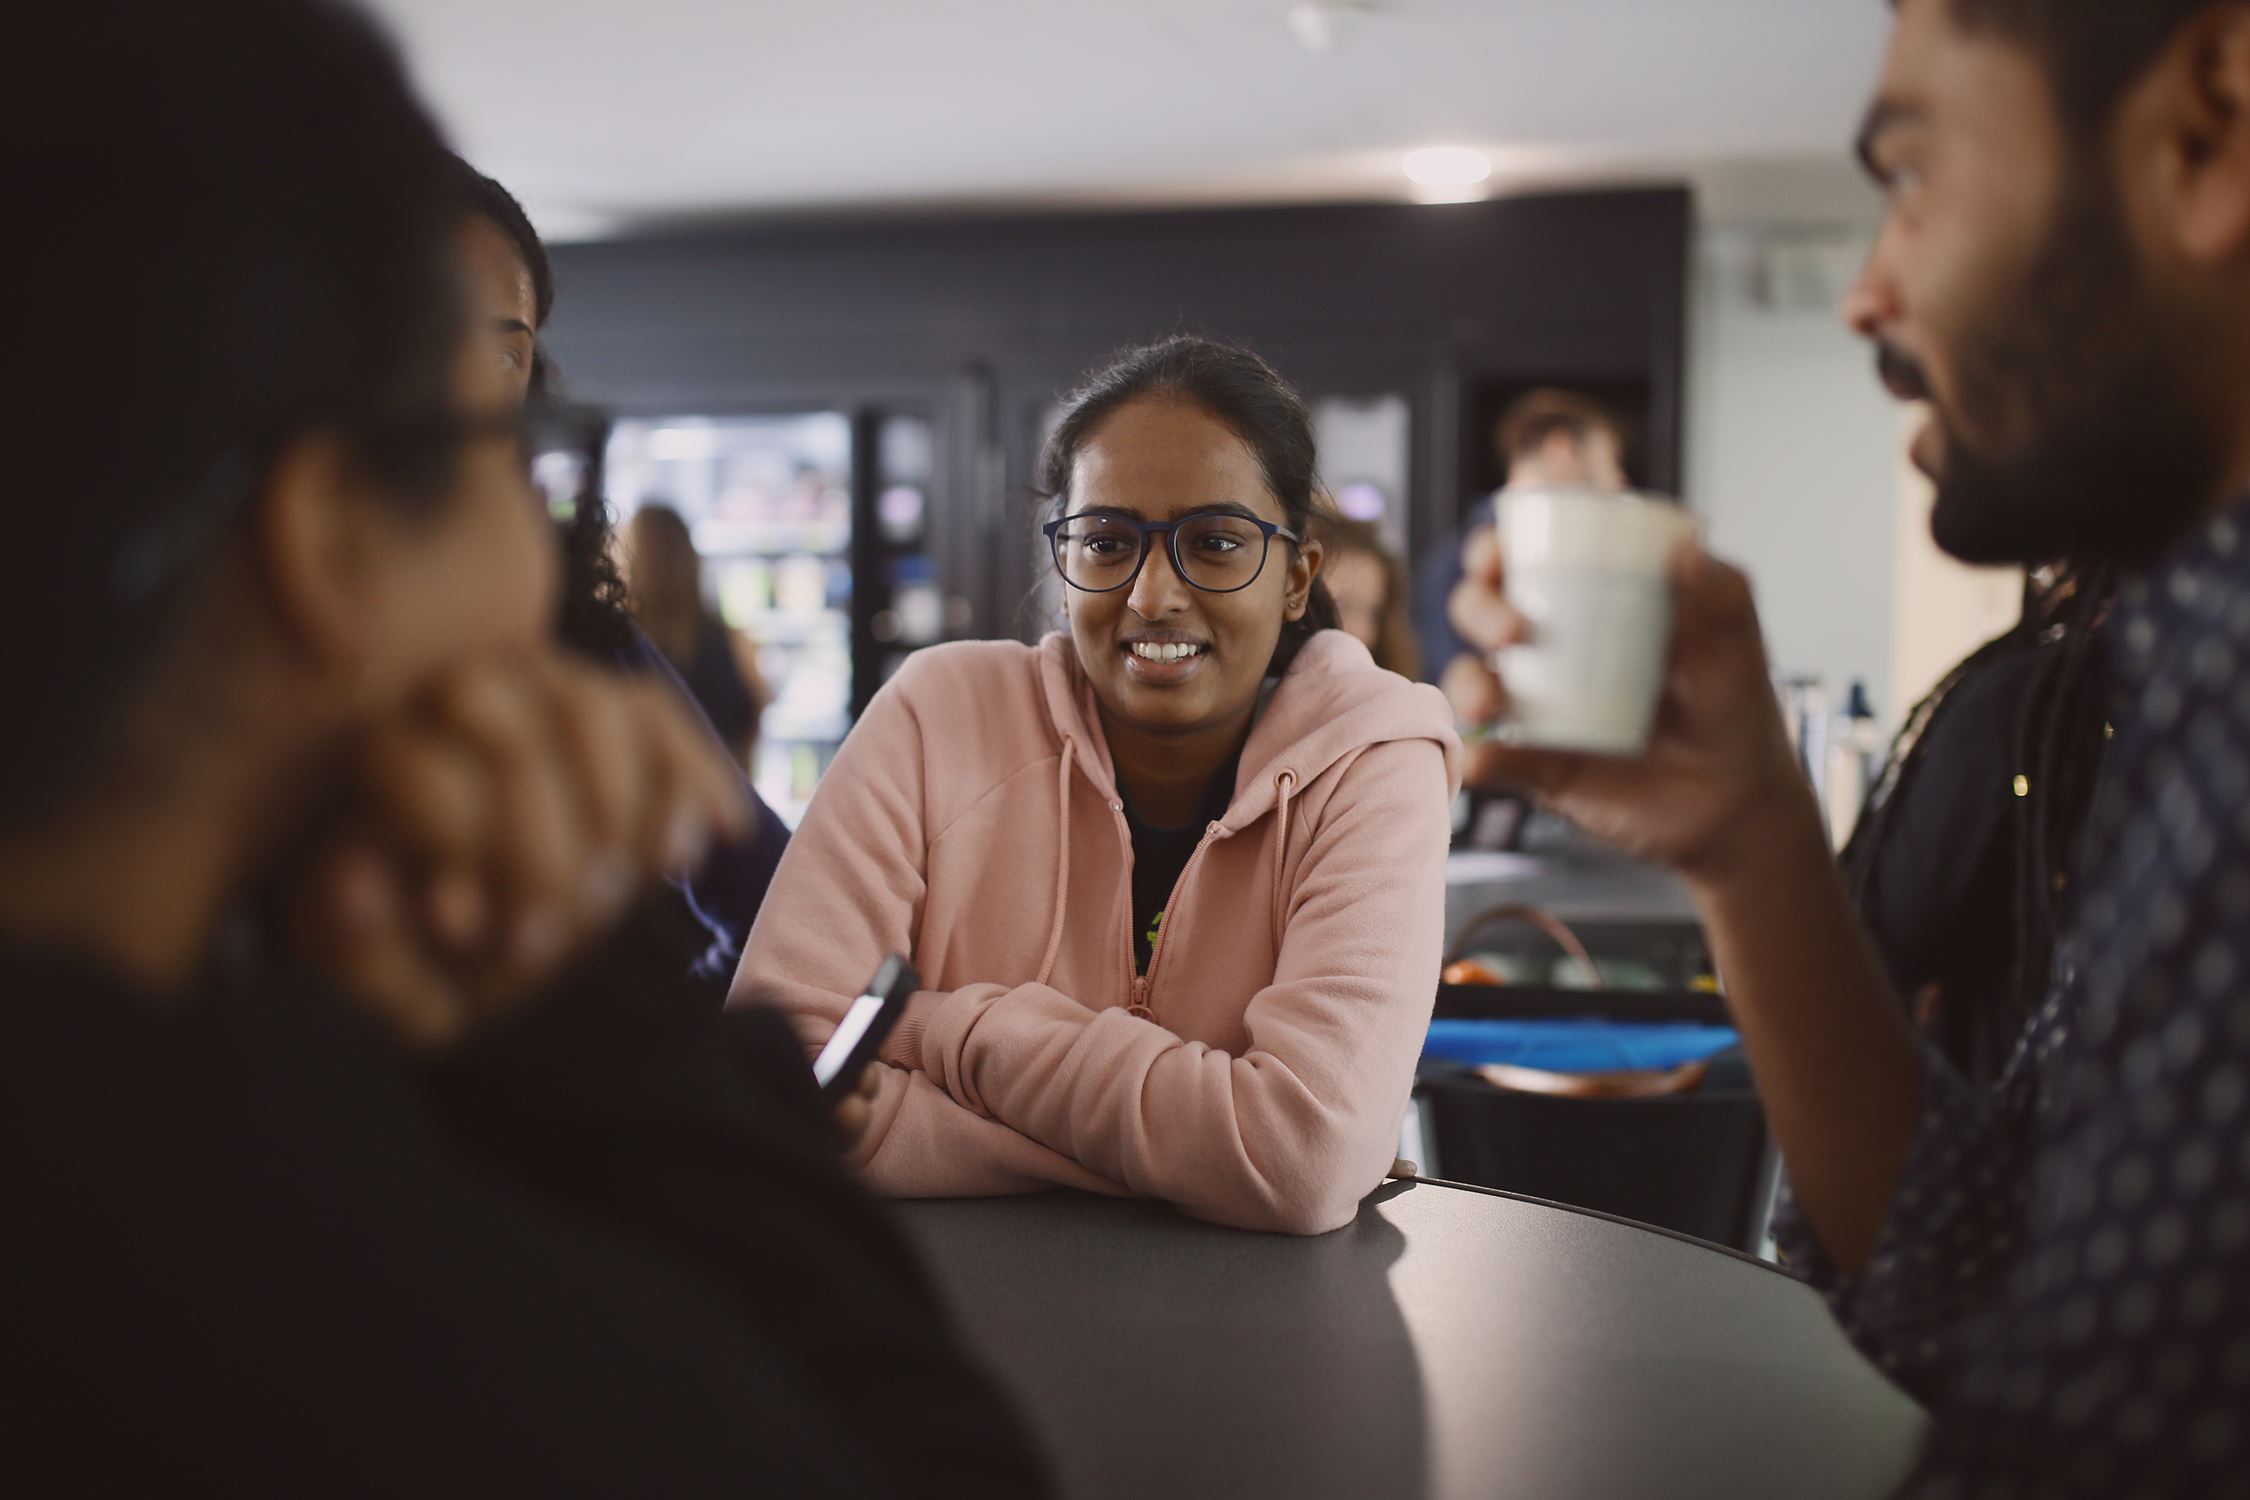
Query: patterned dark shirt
(2064, 1278)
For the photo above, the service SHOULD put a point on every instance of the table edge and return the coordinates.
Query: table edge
(1592, 1213)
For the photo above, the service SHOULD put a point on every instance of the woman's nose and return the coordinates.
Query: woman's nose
(1159, 590)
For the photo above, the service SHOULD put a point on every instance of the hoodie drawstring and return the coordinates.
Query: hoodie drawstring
(1062, 860)
(1284, 785)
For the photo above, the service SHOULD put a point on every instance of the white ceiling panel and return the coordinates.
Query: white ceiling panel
(603, 113)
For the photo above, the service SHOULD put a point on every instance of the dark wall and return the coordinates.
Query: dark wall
(984, 321)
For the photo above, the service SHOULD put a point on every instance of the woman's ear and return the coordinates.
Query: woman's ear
(1303, 570)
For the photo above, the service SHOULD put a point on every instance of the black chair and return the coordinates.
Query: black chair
(1686, 1152)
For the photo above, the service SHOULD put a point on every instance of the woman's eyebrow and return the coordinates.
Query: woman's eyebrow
(1227, 508)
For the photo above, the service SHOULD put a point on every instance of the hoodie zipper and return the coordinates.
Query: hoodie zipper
(1138, 983)
(1135, 984)
(1135, 979)
(1147, 982)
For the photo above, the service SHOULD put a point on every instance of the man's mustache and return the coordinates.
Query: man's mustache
(1901, 373)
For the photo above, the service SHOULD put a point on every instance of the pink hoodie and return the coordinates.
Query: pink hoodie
(1256, 1075)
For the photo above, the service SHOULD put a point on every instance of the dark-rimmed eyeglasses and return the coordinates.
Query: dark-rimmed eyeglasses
(1217, 551)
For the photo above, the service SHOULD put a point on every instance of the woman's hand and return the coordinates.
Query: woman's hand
(1718, 774)
(495, 826)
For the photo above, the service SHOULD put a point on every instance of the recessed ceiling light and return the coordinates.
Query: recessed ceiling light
(1447, 167)
(1473, 193)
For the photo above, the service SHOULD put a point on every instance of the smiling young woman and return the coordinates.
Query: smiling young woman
(1174, 877)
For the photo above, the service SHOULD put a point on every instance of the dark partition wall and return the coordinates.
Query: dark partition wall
(978, 324)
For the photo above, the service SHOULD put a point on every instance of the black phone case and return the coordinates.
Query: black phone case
(894, 981)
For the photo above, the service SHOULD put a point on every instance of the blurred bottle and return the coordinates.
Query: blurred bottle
(1855, 749)
(1804, 709)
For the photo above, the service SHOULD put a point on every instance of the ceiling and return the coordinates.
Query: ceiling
(604, 114)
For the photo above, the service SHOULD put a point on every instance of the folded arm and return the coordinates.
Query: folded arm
(1294, 1131)
(850, 891)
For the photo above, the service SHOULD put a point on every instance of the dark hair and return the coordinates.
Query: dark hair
(2093, 50)
(2059, 740)
(1247, 396)
(594, 620)
(1535, 419)
(270, 253)
(670, 527)
(488, 200)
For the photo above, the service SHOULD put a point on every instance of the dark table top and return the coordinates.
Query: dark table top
(1448, 1343)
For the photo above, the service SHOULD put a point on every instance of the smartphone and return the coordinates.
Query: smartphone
(860, 1034)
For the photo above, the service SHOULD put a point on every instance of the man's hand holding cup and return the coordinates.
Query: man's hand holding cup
(1630, 680)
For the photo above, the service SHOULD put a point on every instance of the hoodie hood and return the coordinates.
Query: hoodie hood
(1333, 702)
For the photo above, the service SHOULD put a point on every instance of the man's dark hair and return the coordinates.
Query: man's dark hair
(2093, 50)
(1534, 420)
(1244, 394)
(237, 231)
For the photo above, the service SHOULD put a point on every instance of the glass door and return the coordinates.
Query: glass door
(907, 607)
(768, 503)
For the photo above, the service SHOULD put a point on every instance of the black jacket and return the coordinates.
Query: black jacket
(248, 1247)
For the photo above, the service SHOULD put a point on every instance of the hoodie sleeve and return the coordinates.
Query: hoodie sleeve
(1290, 1135)
(850, 891)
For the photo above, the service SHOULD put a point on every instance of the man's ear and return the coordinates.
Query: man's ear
(2200, 96)
(315, 551)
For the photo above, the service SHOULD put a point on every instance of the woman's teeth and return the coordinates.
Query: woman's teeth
(1148, 652)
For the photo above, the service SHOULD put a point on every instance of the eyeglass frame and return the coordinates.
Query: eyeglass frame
(1170, 530)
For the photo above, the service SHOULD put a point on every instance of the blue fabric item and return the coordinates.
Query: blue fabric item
(727, 892)
(1575, 1046)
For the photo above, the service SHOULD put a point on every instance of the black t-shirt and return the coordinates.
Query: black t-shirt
(1161, 854)
(1938, 872)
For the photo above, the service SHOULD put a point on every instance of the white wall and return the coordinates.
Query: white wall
(1793, 453)
(1797, 462)
(1943, 609)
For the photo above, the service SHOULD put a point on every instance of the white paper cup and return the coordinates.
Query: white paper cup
(1589, 572)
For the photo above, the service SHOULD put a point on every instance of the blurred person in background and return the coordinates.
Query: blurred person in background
(1175, 877)
(512, 284)
(2054, 1264)
(664, 581)
(1548, 439)
(1368, 582)
(350, 1147)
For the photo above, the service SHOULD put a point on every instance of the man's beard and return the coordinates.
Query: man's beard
(2076, 434)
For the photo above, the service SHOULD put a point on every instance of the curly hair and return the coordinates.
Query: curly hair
(596, 619)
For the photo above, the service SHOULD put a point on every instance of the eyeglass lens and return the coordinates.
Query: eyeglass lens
(1216, 553)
